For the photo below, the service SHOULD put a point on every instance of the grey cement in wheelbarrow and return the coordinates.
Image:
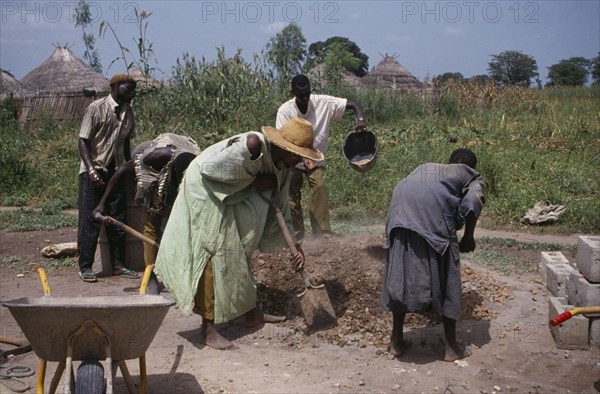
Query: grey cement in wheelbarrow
(131, 322)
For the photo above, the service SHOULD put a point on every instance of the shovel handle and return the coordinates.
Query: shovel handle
(122, 226)
(287, 236)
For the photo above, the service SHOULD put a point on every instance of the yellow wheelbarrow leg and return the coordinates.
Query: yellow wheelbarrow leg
(60, 368)
(126, 376)
(41, 377)
(143, 374)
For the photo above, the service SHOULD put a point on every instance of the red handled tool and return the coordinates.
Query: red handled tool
(556, 320)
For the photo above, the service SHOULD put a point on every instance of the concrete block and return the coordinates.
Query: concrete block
(556, 278)
(573, 333)
(588, 257)
(580, 292)
(549, 258)
(595, 332)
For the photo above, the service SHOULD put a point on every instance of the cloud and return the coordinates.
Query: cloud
(454, 31)
(398, 38)
(274, 27)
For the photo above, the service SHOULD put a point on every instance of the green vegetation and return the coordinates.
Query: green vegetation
(500, 262)
(29, 220)
(21, 266)
(532, 144)
(520, 245)
(510, 256)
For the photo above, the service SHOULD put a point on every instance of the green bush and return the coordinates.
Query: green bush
(9, 109)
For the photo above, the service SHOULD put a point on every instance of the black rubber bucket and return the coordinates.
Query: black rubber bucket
(360, 150)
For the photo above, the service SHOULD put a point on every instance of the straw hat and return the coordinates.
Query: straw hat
(295, 136)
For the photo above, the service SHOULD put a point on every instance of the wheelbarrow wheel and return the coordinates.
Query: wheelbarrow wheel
(90, 378)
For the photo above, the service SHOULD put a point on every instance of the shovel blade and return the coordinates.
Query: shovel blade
(317, 309)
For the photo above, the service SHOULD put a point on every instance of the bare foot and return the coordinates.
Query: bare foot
(211, 337)
(256, 317)
(398, 349)
(456, 351)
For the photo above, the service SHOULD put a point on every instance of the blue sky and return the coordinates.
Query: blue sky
(427, 37)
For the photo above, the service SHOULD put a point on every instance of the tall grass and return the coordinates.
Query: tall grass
(532, 144)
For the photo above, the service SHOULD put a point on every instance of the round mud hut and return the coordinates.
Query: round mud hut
(64, 72)
(63, 85)
(10, 87)
(390, 74)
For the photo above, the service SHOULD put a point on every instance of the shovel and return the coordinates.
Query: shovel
(314, 301)
(149, 281)
(122, 226)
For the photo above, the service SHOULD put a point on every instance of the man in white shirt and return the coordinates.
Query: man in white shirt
(320, 110)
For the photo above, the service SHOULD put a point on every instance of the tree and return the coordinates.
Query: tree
(481, 79)
(286, 51)
(595, 69)
(513, 68)
(569, 72)
(317, 53)
(448, 76)
(83, 18)
(337, 60)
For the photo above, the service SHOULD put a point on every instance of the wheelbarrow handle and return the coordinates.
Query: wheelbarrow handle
(44, 280)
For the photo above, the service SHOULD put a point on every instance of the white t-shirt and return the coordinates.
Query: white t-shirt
(322, 110)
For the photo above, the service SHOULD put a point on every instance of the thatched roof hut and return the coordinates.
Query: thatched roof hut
(143, 81)
(390, 74)
(64, 72)
(9, 86)
(64, 85)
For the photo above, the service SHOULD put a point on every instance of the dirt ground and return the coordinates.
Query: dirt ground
(504, 322)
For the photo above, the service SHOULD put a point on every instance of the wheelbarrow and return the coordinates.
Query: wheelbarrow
(90, 329)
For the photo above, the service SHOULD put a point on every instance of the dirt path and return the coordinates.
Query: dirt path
(504, 322)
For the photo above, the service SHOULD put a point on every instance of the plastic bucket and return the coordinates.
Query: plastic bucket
(360, 150)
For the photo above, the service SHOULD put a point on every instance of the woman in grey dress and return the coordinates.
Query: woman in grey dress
(422, 270)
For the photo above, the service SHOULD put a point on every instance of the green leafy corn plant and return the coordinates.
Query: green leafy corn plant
(145, 52)
(212, 100)
(83, 18)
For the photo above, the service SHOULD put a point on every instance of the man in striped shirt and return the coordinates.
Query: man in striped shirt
(104, 145)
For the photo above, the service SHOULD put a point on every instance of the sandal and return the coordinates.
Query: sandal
(125, 273)
(88, 276)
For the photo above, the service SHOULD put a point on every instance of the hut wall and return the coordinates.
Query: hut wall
(63, 106)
